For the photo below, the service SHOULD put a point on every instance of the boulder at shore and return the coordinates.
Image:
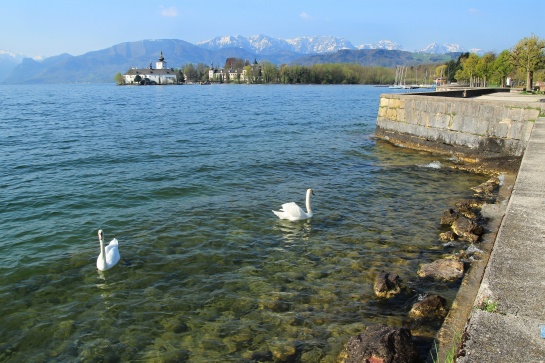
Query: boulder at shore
(444, 269)
(430, 307)
(387, 285)
(380, 344)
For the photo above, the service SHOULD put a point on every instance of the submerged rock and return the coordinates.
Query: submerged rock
(462, 226)
(444, 269)
(380, 343)
(466, 209)
(282, 350)
(487, 189)
(387, 285)
(447, 236)
(448, 217)
(467, 229)
(430, 307)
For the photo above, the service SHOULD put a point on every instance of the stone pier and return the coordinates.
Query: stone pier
(499, 312)
(469, 128)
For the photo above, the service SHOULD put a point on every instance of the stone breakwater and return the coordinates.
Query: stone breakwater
(492, 129)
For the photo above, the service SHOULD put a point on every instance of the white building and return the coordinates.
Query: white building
(158, 75)
(234, 75)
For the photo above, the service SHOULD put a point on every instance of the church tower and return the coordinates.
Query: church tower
(161, 64)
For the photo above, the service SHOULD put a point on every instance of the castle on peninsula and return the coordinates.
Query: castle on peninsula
(161, 74)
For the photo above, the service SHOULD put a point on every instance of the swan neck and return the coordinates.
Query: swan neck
(309, 209)
(102, 251)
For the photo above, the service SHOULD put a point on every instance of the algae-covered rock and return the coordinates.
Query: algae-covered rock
(387, 284)
(429, 307)
(282, 350)
(380, 343)
(444, 269)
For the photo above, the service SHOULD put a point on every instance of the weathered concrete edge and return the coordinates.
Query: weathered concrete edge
(515, 273)
(449, 336)
(491, 132)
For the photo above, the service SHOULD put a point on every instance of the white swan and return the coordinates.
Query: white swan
(109, 256)
(293, 212)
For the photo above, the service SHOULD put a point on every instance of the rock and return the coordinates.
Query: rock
(443, 269)
(471, 203)
(447, 236)
(449, 216)
(174, 324)
(380, 343)
(465, 209)
(387, 285)
(430, 307)
(486, 189)
(282, 350)
(467, 229)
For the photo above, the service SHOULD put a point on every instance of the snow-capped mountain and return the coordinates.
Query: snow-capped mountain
(262, 44)
(382, 44)
(8, 62)
(436, 48)
(319, 44)
(6, 55)
(477, 51)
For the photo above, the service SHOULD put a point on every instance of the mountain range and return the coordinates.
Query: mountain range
(102, 65)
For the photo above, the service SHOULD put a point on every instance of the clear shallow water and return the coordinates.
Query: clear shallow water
(185, 178)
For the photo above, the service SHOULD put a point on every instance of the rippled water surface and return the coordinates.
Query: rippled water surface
(185, 177)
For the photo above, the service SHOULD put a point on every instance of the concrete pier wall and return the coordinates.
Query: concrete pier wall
(471, 128)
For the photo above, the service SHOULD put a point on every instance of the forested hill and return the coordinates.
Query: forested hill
(376, 58)
(102, 65)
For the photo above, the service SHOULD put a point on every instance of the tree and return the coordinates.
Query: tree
(485, 67)
(441, 71)
(454, 66)
(529, 54)
(119, 78)
(502, 66)
(180, 76)
(468, 70)
(190, 72)
(270, 73)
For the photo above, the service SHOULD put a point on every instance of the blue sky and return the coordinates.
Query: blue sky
(47, 28)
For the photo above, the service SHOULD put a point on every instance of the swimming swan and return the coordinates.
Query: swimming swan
(109, 256)
(293, 212)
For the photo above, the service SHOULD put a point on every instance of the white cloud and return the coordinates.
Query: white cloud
(169, 12)
(305, 16)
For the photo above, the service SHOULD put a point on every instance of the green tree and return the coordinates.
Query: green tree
(485, 67)
(201, 72)
(270, 73)
(190, 72)
(441, 71)
(502, 66)
(468, 70)
(454, 66)
(528, 54)
(180, 78)
(119, 78)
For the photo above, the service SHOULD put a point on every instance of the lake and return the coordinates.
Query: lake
(186, 178)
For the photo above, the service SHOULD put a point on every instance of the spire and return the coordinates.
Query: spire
(161, 58)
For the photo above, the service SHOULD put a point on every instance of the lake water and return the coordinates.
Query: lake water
(185, 177)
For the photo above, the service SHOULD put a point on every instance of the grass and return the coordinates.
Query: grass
(452, 352)
(489, 306)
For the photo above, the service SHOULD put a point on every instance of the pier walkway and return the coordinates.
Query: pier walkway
(512, 329)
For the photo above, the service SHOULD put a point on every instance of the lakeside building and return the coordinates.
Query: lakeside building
(161, 74)
(231, 75)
